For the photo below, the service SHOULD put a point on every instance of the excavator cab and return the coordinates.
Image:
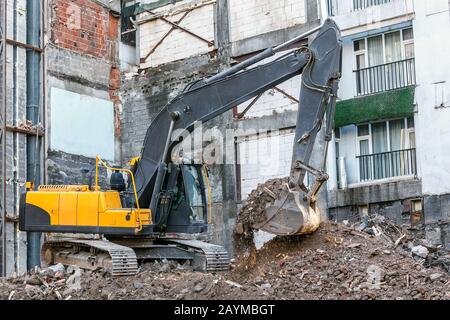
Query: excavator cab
(184, 198)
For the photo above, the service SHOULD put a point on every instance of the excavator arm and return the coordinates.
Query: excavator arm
(320, 66)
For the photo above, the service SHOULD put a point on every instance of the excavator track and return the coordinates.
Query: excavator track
(120, 259)
(210, 257)
(92, 254)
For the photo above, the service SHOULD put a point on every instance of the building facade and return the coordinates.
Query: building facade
(391, 125)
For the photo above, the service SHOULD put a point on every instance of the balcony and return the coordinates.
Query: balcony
(338, 7)
(387, 165)
(385, 77)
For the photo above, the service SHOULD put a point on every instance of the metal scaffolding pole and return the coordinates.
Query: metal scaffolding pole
(3, 136)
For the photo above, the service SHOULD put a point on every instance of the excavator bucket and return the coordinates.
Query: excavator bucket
(289, 215)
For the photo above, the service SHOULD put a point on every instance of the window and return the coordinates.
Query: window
(384, 62)
(127, 27)
(441, 95)
(194, 193)
(386, 149)
(337, 138)
(362, 4)
(384, 48)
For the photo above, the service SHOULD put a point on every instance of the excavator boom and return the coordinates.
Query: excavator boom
(320, 65)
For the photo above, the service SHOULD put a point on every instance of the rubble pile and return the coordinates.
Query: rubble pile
(336, 262)
(410, 239)
(253, 212)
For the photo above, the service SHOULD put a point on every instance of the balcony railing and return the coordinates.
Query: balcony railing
(387, 165)
(337, 7)
(389, 76)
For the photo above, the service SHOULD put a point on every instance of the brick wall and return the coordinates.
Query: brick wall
(83, 26)
(254, 17)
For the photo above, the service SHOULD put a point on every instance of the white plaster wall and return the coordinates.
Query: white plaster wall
(81, 124)
(179, 44)
(273, 101)
(264, 158)
(372, 17)
(254, 17)
(347, 86)
(431, 32)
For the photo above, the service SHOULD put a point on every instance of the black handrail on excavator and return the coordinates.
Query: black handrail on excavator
(319, 63)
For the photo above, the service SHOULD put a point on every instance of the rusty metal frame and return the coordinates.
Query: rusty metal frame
(286, 94)
(241, 115)
(175, 25)
(143, 60)
(31, 131)
(23, 45)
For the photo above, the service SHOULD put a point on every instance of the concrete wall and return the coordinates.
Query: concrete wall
(199, 21)
(431, 26)
(255, 17)
(81, 60)
(264, 157)
(370, 18)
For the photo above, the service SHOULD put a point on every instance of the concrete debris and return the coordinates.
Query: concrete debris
(137, 285)
(435, 276)
(58, 268)
(231, 283)
(420, 251)
(266, 286)
(199, 287)
(74, 281)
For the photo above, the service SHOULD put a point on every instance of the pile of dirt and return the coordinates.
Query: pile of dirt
(336, 262)
(253, 213)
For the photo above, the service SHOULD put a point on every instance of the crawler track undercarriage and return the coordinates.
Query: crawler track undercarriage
(122, 257)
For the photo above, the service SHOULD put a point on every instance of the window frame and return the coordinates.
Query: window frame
(366, 49)
(369, 137)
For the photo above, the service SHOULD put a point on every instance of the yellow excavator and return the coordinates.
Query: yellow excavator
(149, 214)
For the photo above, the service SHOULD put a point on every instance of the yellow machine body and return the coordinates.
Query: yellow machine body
(76, 209)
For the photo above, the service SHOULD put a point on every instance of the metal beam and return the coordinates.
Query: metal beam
(27, 131)
(187, 31)
(143, 60)
(23, 45)
(286, 94)
(175, 25)
(242, 114)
